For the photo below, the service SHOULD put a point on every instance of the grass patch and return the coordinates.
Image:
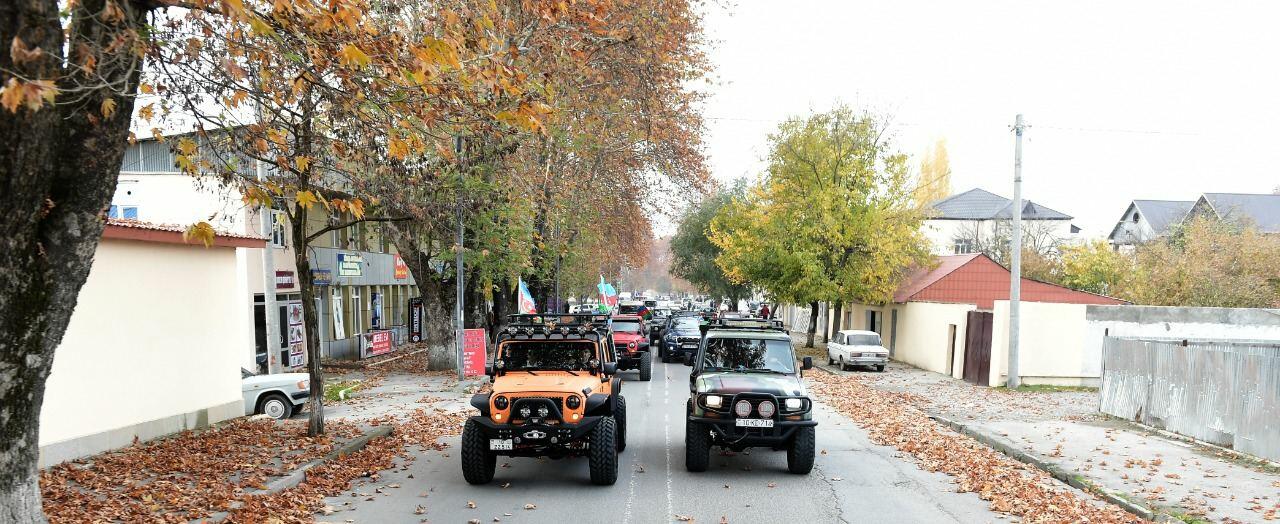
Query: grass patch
(333, 390)
(817, 353)
(1044, 388)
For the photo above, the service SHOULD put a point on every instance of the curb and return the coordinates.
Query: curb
(296, 476)
(1056, 472)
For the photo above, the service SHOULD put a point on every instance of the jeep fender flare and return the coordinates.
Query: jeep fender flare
(480, 401)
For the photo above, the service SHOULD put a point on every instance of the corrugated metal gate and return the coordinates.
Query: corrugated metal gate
(977, 347)
(1226, 393)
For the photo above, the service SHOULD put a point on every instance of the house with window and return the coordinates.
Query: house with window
(966, 222)
(362, 285)
(1257, 210)
(1146, 220)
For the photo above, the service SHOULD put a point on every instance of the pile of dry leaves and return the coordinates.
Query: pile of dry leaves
(195, 475)
(1009, 485)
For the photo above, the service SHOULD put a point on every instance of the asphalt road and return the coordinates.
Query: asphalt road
(854, 481)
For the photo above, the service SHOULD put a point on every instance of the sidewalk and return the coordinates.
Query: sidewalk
(1063, 430)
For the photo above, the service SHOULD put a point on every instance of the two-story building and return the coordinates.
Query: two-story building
(1147, 220)
(963, 222)
(362, 285)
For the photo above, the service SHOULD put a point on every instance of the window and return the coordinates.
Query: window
(964, 246)
(357, 319)
(278, 235)
(128, 212)
(1135, 217)
(744, 353)
(338, 332)
(864, 340)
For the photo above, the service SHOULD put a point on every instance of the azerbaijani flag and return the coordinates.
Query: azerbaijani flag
(525, 303)
(608, 295)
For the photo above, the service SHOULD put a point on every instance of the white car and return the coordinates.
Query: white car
(857, 348)
(276, 395)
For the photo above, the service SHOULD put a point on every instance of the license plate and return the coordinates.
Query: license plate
(690, 346)
(504, 444)
(754, 423)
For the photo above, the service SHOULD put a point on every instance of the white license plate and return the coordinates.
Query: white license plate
(690, 346)
(504, 444)
(754, 423)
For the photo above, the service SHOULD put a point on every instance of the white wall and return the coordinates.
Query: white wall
(158, 330)
(924, 331)
(170, 198)
(1180, 323)
(1052, 349)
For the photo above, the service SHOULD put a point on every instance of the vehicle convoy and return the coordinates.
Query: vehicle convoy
(555, 394)
(681, 337)
(745, 391)
(631, 344)
(857, 348)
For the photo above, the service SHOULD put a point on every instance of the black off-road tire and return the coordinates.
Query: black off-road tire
(800, 452)
(603, 454)
(697, 447)
(646, 366)
(880, 368)
(620, 420)
(478, 462)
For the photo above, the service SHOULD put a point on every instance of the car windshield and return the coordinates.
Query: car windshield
(541, 354)
(626, 326)
(685, 324)
(864, 340)
(748, 354)
(630, 310)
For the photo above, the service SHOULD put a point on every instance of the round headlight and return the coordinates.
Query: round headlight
(714, 401)
(543, 412)
(525, 412)
(766, 409)
(631, 344)
(501, 402)
(794, 404)
(742, 408)
(573, 401)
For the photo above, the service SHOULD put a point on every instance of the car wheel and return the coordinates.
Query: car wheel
(697, 447)
(843, 367)
(830, 361)
(620, 417)
(880, 368)
(276, 406)
(478, 462)
(603, 455)
(800, 452)
(646, 366)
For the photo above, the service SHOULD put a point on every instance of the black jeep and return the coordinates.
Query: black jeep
(746, 391)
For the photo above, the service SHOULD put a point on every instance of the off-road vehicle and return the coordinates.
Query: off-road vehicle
(631, 345)
(555, 394)
(746, 391)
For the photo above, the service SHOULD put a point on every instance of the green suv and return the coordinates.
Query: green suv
(746, 391)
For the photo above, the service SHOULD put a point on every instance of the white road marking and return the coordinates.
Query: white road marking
(666, 430)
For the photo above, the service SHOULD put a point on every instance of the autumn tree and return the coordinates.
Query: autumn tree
(1094, 267)
(694, 255)
(933, 183)
(833, 218)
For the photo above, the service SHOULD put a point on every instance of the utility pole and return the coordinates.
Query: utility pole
(1015, 265)
(459, 328)
(270, 317)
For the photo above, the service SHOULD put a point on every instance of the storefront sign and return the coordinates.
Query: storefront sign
(321, 277)
(474, 344)
(350, 265)
(402, 269)
(376, 343)
(415, 319)
(285, 280)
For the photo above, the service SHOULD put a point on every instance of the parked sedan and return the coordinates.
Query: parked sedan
(277, 396)
(857, 348)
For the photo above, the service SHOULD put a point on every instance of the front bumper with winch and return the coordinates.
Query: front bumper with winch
(537, 437)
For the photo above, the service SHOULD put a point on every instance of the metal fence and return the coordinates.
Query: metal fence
(1222, 392)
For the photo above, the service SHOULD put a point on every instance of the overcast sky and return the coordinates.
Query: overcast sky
(1126, 100)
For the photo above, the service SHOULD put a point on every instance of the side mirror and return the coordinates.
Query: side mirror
(807, 363)
(488, 370)
(610, 368)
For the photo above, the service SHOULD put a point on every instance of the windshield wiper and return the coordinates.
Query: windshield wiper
(762, 370)
(568, 370)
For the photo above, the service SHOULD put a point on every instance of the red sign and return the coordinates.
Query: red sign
(377, 343)
(402, 269)
(474, 344)
(284, 280)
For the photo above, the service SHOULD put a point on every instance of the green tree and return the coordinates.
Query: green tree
(832, 220)
(693, 255)
(1094, 267)
(934, 181)
(1208, 263)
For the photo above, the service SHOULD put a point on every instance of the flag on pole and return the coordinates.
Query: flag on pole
(608, 295)
(525, 301)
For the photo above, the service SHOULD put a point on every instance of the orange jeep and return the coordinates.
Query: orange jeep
(555, 394)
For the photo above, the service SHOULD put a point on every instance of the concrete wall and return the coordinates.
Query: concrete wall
(155, 346)
(1209, 323)
(1053, 349)
(924, 335)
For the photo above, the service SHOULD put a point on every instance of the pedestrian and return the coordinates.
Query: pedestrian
(764, 311)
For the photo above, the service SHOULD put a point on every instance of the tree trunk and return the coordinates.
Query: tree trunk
(58, 170)
(813, 323)
(437, 293)
(837, 316)
(311, 322)
(826, 330)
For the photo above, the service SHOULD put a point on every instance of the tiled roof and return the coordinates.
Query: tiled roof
(924, 277)
(1261, 209)
(976, 279)
(172, 228)
(980, 204)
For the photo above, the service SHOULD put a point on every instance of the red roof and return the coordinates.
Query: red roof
(976, 279)
(125, 229)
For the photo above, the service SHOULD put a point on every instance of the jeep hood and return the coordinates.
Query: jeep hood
(731, 383)
(545, 381)
(622, 337)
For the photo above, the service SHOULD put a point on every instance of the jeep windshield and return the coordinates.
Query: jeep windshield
(747, 355)
(626, 326)
(548, 355)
